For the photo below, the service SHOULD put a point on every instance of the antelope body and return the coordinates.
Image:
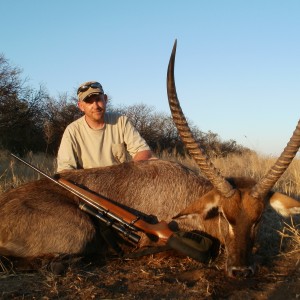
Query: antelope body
(40, 218)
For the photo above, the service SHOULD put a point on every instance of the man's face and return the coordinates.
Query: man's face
(94, 107)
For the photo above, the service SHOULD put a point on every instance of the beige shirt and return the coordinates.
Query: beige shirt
(84, 147)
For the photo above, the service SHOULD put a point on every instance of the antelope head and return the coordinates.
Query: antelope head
(232, 210)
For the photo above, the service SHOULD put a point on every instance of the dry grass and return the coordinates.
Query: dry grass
(291, 231)
(255, 166)
(14, 173)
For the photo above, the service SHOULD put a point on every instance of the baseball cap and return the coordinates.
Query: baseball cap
(89, 88)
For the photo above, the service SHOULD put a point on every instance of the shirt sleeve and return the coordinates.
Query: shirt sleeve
(66, 158)
(132, 138)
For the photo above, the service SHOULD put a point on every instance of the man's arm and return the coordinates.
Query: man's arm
(136, 145)
(65, 157)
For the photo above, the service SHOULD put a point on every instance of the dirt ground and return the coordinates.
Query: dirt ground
(158, 276)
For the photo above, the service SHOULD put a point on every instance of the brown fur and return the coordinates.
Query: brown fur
(40, 218)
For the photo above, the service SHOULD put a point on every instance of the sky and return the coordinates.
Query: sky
(237, 68)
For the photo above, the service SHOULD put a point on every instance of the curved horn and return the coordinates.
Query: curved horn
(280, 166)
(213, 175)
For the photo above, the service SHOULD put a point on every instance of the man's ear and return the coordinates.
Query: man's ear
(105, 98)
(80, 105)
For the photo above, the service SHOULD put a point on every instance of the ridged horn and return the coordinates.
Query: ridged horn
(205, 165)
(280, 166)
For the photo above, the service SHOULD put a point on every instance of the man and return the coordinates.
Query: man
(99, 138)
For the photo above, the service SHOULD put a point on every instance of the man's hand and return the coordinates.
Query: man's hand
(143, 155)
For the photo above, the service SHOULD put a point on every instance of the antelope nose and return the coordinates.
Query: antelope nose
(240, 272)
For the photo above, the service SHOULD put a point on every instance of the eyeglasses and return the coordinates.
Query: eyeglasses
(94, 98)
(94, 85)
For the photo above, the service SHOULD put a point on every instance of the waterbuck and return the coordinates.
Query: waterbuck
(40, 218)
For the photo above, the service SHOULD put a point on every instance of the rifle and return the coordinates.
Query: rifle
(128, 223)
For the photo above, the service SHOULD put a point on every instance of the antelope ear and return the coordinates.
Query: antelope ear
(284, 204)
(210, 201)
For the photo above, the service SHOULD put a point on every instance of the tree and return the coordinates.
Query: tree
(59, 114)
(20, 111)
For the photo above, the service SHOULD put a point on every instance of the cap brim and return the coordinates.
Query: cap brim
(88, 93)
